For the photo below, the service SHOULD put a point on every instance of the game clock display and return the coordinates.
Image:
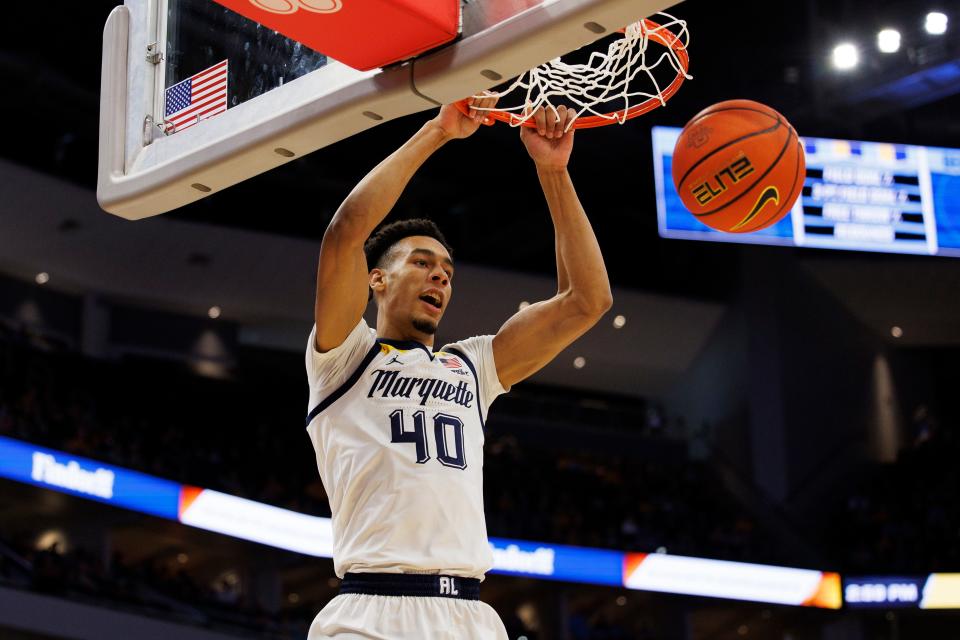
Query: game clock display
(860, 196)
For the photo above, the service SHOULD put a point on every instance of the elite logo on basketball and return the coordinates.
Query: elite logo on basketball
(736, 171)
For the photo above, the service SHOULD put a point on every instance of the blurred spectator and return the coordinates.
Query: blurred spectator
(902, 517)
(79, 573)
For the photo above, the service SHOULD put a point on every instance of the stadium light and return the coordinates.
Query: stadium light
(579, 362)
(42, 278)
(845, 56)
(213, 312)
(619, 321)
(52, 537)
(936, 23)
(888, 41)
(896, 332)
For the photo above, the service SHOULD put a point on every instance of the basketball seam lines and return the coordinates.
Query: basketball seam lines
(710, 113)
(720, 148)
(776, 161)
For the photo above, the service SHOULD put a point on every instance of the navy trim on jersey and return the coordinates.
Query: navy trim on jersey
(411, 584)
(342, 389)
(476, 378)
(406, 345)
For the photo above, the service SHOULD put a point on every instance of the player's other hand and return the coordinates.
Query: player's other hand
(456, 124)
(550, 143)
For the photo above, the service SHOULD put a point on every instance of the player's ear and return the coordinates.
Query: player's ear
(377, 280)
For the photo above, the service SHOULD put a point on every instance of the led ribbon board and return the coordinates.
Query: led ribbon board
(933, 591)
(87, 478)
(732, 580)
(312, 535)
(557, 562)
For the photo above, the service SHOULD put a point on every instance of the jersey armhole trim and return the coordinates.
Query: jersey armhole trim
(476, 379)
(348, 383)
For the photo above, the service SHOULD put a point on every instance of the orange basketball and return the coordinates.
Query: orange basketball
(739, 166)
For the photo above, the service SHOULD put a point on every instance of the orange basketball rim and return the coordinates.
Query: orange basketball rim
(625, 59)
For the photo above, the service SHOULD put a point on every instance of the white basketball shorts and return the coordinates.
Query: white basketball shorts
(382, 616)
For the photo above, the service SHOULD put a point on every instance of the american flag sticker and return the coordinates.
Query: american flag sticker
(197, 98)
(451, 362)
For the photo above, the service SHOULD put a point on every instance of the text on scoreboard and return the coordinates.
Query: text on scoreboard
(861, 196)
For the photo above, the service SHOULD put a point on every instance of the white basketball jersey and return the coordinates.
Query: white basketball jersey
(398, 433)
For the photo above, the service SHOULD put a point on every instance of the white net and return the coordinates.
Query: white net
(610, 87)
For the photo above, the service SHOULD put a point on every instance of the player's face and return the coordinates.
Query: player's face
(418, 284)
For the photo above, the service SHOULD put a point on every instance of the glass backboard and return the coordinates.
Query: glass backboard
(196, 98)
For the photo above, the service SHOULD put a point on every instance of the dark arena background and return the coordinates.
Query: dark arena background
(760, 440)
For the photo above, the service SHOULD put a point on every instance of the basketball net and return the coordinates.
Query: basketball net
(614, 78)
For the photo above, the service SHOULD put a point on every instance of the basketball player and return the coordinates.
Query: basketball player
(398, 425)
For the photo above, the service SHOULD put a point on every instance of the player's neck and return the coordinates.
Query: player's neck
(390, 331)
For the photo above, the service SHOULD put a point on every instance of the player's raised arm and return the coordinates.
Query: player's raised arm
(535, 335)
(342, 273)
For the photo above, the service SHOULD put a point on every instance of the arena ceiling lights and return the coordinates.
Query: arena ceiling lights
(845, 56)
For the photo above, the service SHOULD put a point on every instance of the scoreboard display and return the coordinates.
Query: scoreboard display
(860, 196)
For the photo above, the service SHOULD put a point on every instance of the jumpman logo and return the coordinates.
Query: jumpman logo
(395, 360)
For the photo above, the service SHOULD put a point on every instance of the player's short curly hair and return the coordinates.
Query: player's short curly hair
(377, 247)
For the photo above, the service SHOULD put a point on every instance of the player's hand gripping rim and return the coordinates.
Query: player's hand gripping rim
(462, 119)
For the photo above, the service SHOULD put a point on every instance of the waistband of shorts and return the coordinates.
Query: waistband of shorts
(411, 584)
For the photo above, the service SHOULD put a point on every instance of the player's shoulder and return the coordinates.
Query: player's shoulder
(476, 352)
(473, 348)
(355, 347)
(464, 343)
(362, 335)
